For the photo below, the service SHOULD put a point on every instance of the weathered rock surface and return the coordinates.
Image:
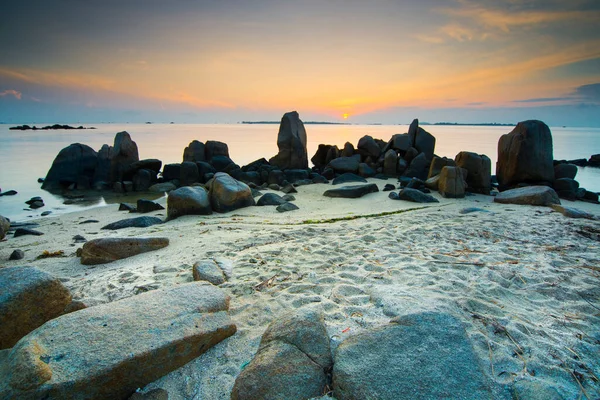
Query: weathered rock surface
(437, 164)
(390, 163)
(27, 231)
(4, 226)
(227, 194)
(124, 153)
(162, 187)
(418, 356)
(345, 164)
(146, 206)
(208, 270)
(109, 350)
(189, 200)
(418, 168)
(287, 206)
(352, 192)
(101, 251)
(137, 222)
(188, 173)
(291, 141)
(291, 362)
(28, 298)
(416, 196)
(565, 171)
(215, 148)
(348, 177)
(369, 147)
(74, 165)
(451, 183)
(142, 180)
(525, 155)
(194, 152)
(531, 195)
(17, 254)
(102, 171)
(572, 212)
(270, 199)
(479, 167)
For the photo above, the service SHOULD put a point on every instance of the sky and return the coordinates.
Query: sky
(225, 61)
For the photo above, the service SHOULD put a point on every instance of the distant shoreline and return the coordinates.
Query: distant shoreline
(376, 123)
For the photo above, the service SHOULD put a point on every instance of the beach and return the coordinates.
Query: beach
(524, 280)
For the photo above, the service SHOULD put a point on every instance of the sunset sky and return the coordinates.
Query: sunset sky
(225, 61)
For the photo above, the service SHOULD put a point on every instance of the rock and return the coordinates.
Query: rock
(194, 152)
(109, 350)
(4, 227)
(289, 197)
(150, 164)
(425, 143)
(46, 213)
(319, 179)
(418, 168)
(292, 361)
(469, 210)
(127, 207)
(124, 153)
(589, 196)
(412, 131)
(451, 183)
(369, 147)
(594, 161)
(101, 251)
(572, 212)
(171, 172)
(214, 148)
(390, 163)
(74, 165)
(102, 170)
(162, 187)
(28, 298)
(291, 141)
(81, 239)
(208, 270)
(26, 231)
(137, 222)
(16, 255)
(188, 173)
(525, 155)
(565, 171)
(348, 150)
(433, 182)
(566, 188)
(289, 189)
(352, 192)
(154, 394)
(276, 177)
(393, 196)
(270, 199)
(365, 171)
(295, 175)
(222, 163)
(226, 194)
(345, 164)
(204, 169)
(388, 187)
(189, 200)
(8, 193)
(287, 206)
(437, 164)
(400, 143)
(324, 154)
(142, 180)
(479, 167)
(128, 186)
(146, 206)
(531, 195)
(426, 355)
(36, 204)
(347, 178)
(416, 196)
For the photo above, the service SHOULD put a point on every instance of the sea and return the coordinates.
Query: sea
(26, 156)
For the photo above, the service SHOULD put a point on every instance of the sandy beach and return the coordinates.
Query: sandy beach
(524, 280)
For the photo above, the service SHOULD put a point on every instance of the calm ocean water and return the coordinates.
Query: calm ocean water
(27, 155)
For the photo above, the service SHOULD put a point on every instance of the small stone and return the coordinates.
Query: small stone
(127, 207)
(287, 207)
(17, 255)
(146, 206)
(27, 231)
(208, 270)
(79, 239)
(46, 213)
(289, 197)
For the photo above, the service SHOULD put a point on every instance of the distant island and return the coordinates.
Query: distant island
(45, 128)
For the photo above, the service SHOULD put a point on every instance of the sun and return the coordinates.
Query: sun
(345, 116)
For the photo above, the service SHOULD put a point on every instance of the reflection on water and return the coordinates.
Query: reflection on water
(27, 155)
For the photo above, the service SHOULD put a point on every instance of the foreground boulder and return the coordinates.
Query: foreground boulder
(525, 155)
(292, 360)
(479, 171)
(110, 350)
(4, 226)
(451, 183)
(352, 192)
(530, 195)
(74, 165)
(189, 200)
(419, 356)
(137, 222)
(101, 251)
(227, 194)
(28, 298)
(291, 141)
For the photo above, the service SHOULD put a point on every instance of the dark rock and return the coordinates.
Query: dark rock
(226, 194)
(101, 251)
(276, 176)
(146, 206)
(347, 178)
(525, 155)
(319, 179)
(565, 171)
(348, 150)
(102, 170)
(28, 298)
(426, 355)
(117, 188)
(437, 164)
(119, 346)
(270, 199)
(26, 231)
(127, 207)
(418, 168)
(34, 205)
(34, 199)
(287, 206)
(255, 193)
(594, 161)
(352, 192)
(566, 188)
(188, 201)
(74, 165)
(208, 270)
(81, 239)
(291, 141)
(531, 195)
(137, 222)
(124, 153)
(433, 182)
(388, 187)
(289, 197)
(222, 163)
(324, 154)
(17, 255)
(289, 189)
(415, 183)
(154, 394)
(188, 173)
(369, 146)
(8, 193)
(151, 164)
(162, 187)
(390, 163)
(572, 212)
(425, 143)
(274, 186)
(365, 171)
(479, 167)
(142, 180)
(214, 148)
(205, 168)
(400, 142)
(416, 196)
(345, 164)
(590, 197)
(194, 152)
(393, 196)
(412, 131)
(292, 361)
(171, 172)
(469, 210)
(295, 175)
(451, 183)
(89, 221)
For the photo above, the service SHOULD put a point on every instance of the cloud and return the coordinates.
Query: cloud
(11, 92)
(580, 95)
(589, 92)
(542, 100)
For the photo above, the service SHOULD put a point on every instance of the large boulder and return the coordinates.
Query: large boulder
(416, 196)
(109, 350)
(270, 199)
(291, 141)
(437, 164)
(368, 147)
(214, 148)
(400, 143)
(390, 162)
(189, 200)
(292, 361)
(28, 298)
(74, 165)
(419, 356)
(4, 227)
(142, 180)
(194, 152)
(348, 178)
(227, 194)
(348, 150)
(352, 192)
(421, 140)
(418, 168)
(479, 167)
(345, 164)
(102, 251)
(124, 153)
(324, 154)
(531, 195)
(451, 183)
(188, 173)
(525, 155)
(171, 172)
(102, 171)
(565, 170)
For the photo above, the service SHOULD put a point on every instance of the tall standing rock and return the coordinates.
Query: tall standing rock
(194, 152)
(75, 164)
(291, 141)
(125, 152)
(102, 173)
(525, 155)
